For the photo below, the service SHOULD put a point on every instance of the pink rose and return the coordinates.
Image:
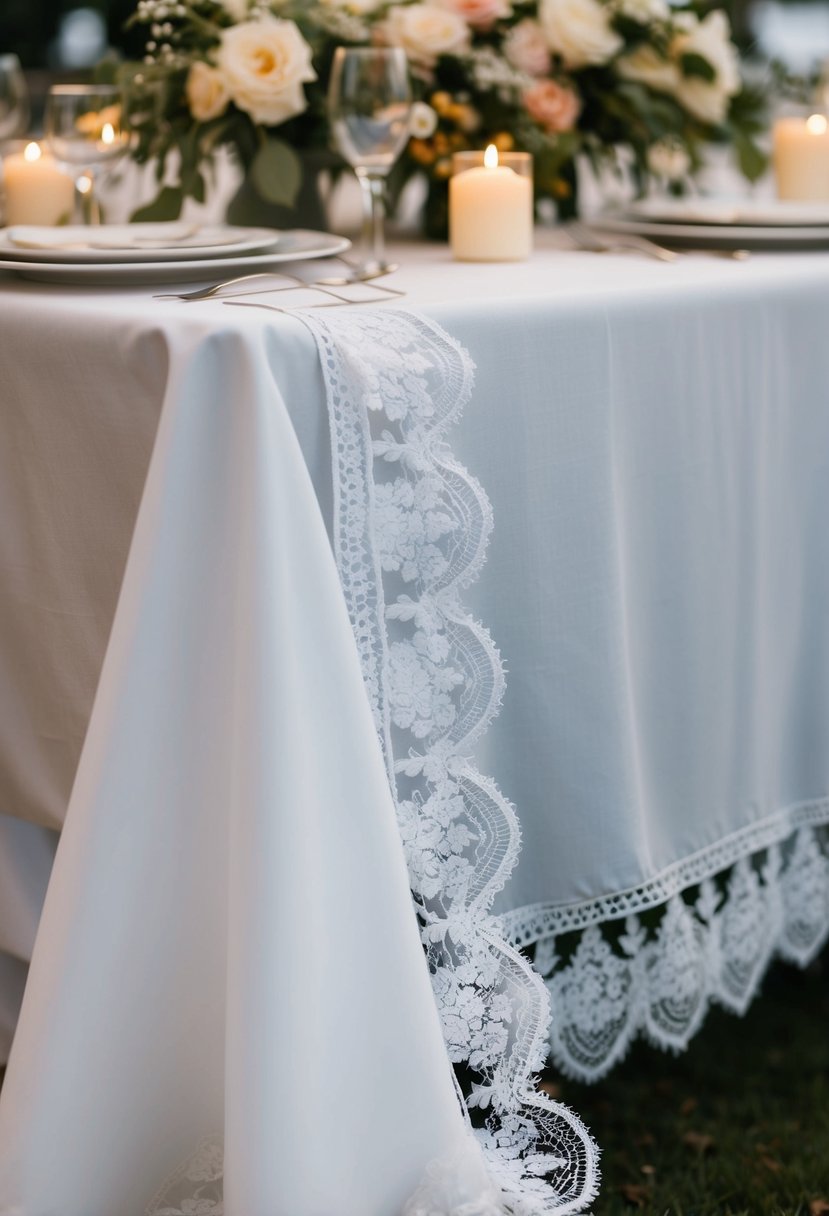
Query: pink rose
(552, 105)
(526, 48)
(480, 14)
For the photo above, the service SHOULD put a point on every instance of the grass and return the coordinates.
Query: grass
(736, 1126)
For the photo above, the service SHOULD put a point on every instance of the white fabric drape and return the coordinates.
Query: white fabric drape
(228, 942)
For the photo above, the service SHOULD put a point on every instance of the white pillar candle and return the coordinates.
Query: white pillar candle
(490, 213)
(800, 154)
(36, 190)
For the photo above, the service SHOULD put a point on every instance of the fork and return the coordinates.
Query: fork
(217, 289)
(590, 241)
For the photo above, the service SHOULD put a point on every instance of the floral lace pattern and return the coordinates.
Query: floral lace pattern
(715, 936)
(411, 530)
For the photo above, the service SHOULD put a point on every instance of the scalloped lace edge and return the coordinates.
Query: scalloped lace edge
(723, 915)
(411, 531)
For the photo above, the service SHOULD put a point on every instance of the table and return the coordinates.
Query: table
(653, 440)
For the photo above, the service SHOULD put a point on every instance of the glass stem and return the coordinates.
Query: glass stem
(374, 210)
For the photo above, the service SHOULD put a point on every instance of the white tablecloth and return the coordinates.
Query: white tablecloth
(654, 440)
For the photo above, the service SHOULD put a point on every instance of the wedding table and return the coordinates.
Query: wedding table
(654, 441)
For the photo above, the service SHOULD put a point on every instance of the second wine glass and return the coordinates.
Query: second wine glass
(83, 128)
(369, 105)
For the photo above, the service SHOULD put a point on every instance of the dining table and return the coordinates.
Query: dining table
(390, 681)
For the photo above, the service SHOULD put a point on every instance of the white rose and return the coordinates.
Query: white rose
(264, 64)
(425, 31)
(525, 47)
(647, 66)
(579, 31)
(708, 100)
(643, 11)
(207, 94)
(423, 121)
(668, 160)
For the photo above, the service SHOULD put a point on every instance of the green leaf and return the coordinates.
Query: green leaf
(752, 161)
(276, 172)
(693, 64)
(165, 206)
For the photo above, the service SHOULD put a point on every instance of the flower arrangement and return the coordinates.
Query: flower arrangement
(557, 78)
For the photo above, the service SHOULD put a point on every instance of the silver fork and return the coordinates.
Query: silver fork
(323, 285)
(587, 239)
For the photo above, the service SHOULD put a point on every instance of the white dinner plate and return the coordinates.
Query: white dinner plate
(296, 245)
(740, 212)
(718, 236)
(81, 244)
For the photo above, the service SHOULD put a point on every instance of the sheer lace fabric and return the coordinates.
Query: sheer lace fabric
(411, 530)
(716, 922)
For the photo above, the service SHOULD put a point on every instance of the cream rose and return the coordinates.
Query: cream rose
(423, 121)
(426, 31)
(480, 14)
(207, 94)
(525, 48)
(579, 31)
(708, 100)
(552, 105)
(646, 66)
(643, 11)
(264, 64)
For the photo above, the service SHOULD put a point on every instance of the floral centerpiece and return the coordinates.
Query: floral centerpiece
(557, 78)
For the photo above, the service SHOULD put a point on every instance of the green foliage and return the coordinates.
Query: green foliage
(695, 65)
(276, 172)
(165, 206)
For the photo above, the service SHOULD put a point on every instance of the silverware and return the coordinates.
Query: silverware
(587, 239)
(219, 289)
(592, 241)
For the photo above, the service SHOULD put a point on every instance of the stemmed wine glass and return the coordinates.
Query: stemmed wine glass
(369, 105)
(14, 98)
(84, 131)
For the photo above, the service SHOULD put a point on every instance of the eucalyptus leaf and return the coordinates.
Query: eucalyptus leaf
(276, 172)
(751, 159)
(165, 206)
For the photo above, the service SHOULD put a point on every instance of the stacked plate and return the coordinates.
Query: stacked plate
(155, 253)
(724, 223)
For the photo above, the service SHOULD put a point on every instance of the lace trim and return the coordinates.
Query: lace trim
(411, 531)
(717, 932)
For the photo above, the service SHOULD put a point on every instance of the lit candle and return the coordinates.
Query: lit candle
(801, 158)
(491, 212)
(37, 191)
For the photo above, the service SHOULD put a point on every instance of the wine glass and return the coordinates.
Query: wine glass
(369, 105)
(84, 131)
(14, 98)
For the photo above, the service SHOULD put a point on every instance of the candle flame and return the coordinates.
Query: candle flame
(84, 183)
(491, 157)
(32, 152)
(817, 124)
(108, 133)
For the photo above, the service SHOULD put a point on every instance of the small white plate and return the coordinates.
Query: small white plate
(295, 245)
(740, 212)
(82, 244)
(718, 236)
